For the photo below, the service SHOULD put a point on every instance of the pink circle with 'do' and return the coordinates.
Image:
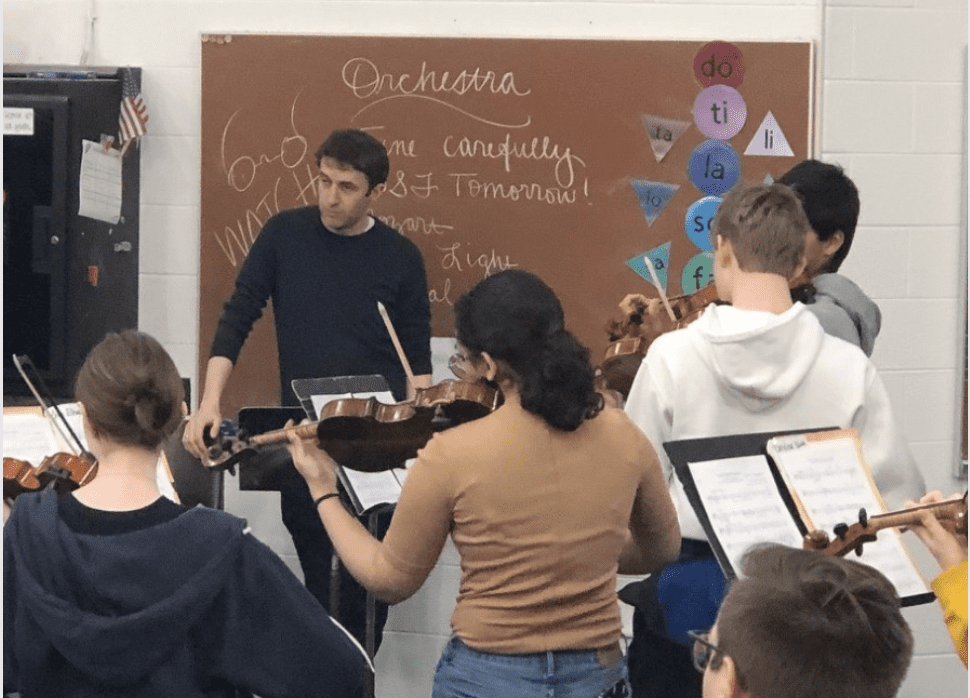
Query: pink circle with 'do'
(719, 63)
(720, 112)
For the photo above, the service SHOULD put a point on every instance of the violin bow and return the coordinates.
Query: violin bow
(660, 290)
(24, 360)
(397, 345)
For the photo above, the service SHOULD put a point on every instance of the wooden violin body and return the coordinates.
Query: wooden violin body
(649, 319)
(65, 470)
(853, 537)
(371, 436)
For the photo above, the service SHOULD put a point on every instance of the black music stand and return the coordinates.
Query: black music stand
(262, 470)
(305, 389)
(194, 483)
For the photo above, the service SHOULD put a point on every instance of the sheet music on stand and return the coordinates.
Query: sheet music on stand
(776, 487)
(30, 436)
(367, 492)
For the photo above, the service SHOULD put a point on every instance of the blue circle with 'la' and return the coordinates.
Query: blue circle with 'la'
(714, 167)
(698, 272)
(697, 222)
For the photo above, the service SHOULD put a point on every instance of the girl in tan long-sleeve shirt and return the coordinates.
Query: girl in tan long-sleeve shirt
(546, 499)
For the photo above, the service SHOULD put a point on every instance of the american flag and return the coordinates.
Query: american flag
(133, 119)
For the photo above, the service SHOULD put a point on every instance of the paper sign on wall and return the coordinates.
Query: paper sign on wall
(720, 112)
(18, 121)
(100, 182)
(659, 258)
(653, 197)
(769, 140)
(714, 167)
(698, 272)
(663, 133)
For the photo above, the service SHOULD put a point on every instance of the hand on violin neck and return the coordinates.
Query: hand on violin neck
(313, 463)
(202, 423)
(634, 304)
(947, 547)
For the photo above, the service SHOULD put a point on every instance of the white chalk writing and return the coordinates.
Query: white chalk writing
(488, 262)
(241, 172)
(418, 224)
(506, 151)
(367, 81)
(466, 184)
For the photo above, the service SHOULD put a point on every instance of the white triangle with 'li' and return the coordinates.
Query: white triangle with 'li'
(769, 140)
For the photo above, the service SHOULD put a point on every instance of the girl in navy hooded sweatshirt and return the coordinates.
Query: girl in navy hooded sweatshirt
(114, 590)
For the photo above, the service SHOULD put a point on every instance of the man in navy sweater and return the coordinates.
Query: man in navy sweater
(325, 267)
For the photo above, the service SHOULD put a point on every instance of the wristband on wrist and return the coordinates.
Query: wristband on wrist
(316, 502)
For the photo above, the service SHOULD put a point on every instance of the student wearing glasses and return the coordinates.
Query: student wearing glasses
(802, 624)
(545, 499)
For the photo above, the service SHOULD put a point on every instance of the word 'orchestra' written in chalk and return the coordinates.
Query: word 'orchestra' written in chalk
(366, 80)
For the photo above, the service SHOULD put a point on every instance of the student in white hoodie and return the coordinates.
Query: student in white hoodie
(761, 363)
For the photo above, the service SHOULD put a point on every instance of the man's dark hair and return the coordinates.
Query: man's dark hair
(803, 624)
(359, 151)
(831, 202)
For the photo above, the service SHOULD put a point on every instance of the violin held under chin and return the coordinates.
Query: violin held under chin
(365, 434)
(645, 320)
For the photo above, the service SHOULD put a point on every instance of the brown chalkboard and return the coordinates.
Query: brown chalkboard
(526, 152)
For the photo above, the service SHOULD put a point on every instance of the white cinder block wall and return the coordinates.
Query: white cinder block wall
(892, 110)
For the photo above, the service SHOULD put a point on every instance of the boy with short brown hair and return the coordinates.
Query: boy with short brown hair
(802, 624)
(760, 363)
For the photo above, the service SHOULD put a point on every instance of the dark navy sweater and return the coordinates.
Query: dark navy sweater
(161, 601)
(325, 289)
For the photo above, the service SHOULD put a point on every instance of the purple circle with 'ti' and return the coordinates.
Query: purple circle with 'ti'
(720, 112)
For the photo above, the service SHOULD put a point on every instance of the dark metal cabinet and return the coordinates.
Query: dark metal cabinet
(68, 279)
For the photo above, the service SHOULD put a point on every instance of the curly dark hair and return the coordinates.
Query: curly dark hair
(518, 320)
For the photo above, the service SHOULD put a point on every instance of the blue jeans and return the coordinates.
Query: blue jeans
(466, 673)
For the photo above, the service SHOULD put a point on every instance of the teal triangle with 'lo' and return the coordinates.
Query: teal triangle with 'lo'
(653, 196)
(659, 258)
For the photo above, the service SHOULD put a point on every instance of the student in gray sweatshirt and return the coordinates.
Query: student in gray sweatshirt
(831, 202)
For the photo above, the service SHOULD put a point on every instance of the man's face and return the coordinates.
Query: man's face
(343, 198)
(817, 253)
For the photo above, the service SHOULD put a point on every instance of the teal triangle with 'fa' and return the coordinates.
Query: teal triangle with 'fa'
(659, 258)
(653, 196)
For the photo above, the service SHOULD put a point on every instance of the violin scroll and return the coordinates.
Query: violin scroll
(853, 537)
